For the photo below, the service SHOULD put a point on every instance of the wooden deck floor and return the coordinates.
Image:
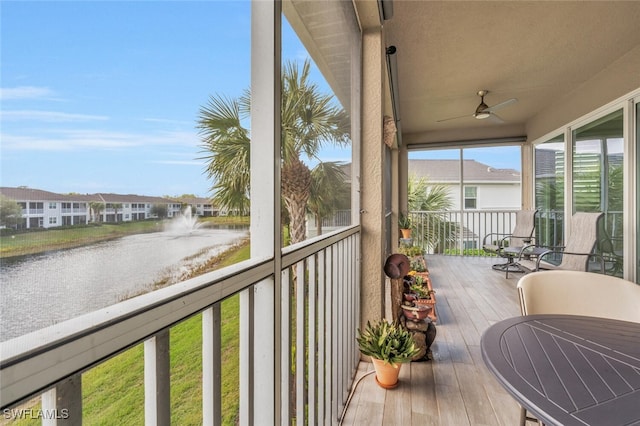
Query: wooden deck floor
(454, 388)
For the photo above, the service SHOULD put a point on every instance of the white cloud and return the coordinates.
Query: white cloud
(48, 116)
(179, 162)
(166, 121)
(69, 140)
(25, 92)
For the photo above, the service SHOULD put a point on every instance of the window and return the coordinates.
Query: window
(598, 184)
(549, 160)
(107, 73)
(329, 31)
(470, 197)
(463, 193)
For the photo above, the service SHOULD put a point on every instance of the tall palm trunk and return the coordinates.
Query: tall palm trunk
(296, 184)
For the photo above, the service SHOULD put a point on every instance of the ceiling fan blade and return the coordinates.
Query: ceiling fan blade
(501, 105)
(453, 118)
(495, 118)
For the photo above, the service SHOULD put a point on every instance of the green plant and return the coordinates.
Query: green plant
(404, 222)
(417, 265)
(411, 251)
(386, 341)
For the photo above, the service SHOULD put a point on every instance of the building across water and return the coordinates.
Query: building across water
(44, 209)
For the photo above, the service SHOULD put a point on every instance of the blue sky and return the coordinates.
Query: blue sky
(104, 96)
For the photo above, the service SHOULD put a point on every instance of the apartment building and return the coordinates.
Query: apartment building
(44, 209)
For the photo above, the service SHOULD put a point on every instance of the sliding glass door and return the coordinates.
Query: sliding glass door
(549, 191)
(637, 105)
(598, 185)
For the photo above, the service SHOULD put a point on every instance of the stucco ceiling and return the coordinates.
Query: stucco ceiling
(537, 52)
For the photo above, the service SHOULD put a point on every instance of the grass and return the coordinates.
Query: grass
(113, 392)
(18, 244)
(41, 240)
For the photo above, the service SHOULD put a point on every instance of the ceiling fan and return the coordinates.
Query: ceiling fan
(484, 111)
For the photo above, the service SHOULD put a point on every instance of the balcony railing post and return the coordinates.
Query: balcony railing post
(157, 395)
(211, 366)
(62, 405)
(322, 372)
(300, 344)
(247, 348)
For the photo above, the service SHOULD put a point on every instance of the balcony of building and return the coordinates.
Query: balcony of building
(314, 295)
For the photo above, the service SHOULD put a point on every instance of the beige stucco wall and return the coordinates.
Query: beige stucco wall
(372, 167)
(620, 78)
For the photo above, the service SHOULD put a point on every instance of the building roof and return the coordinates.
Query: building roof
(449, 171)
(32, 194)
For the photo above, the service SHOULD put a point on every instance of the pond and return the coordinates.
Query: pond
(44, 289)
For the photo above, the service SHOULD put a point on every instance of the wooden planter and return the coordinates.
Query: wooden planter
(432, 300)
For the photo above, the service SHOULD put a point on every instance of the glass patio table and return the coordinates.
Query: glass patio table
(566, 369)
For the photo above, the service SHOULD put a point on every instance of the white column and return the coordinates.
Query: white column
(157, 393)
(211, 367)
(62, 405)
(259, 308)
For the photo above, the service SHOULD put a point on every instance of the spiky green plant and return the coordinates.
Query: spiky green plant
(387, 341)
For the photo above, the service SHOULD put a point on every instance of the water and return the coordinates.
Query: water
(41, 290)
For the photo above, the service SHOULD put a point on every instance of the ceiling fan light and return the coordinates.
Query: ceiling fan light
(482, 115)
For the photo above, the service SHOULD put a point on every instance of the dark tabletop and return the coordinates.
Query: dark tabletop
(568, 370)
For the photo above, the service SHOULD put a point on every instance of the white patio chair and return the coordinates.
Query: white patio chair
(578, 293)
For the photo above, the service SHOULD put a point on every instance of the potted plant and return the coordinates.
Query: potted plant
(411, 251)
(419, 292)
(405, 225)
(389, 345)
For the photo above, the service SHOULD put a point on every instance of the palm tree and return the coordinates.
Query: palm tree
(310, 120)
(116, 207)
(436, 231)
(96, 207)
(329, 191)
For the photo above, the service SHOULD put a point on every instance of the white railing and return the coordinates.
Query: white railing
(317, 314)
(459, 232)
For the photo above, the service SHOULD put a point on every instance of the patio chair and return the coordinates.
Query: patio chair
(613, 259)
(508, 245)
(575, 255)
(578, 293)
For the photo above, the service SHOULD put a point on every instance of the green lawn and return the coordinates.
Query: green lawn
(40, 240)
(113, 392)
(55, 239)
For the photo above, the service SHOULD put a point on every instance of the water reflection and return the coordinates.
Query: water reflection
(41, 290)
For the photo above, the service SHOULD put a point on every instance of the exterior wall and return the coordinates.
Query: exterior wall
(498, 197)
(620, 78)
(372, 203)
(489, 196)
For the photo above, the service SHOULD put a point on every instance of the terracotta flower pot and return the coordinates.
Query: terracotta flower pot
(386, 374)
(406, 233)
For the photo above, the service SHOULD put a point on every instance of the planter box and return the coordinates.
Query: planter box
(432, 300)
